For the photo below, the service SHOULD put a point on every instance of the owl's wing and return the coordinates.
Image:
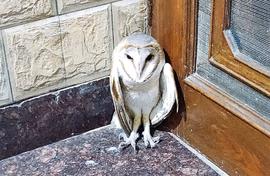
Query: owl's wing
(168, 96)
(117, 96)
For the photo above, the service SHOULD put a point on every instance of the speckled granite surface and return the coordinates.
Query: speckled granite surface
(55, 116)
(96, 153)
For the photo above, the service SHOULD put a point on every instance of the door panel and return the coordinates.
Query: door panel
(250, 28)
(224, 118)
(223, 137)
(243, 98)
(240, 50)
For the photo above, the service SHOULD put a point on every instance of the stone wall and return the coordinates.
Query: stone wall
(51, 44)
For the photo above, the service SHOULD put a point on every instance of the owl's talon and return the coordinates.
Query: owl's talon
(148, 139)
(122, 136)
(146, 143)
(123, 145)
(156, 139)
(131, 140)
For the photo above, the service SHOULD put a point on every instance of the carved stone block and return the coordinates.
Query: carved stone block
(87, 44)
(130, 16)
(34, 57)
(18, 11)
(5, 93)
(65, 6)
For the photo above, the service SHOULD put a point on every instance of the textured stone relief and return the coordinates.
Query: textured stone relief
(129, 16)
(5, 95)
(65, 6)
(34, 57)
(87, 44)
(44, 55)
(18, 11)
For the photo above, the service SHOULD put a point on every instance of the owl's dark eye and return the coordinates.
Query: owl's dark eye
(129, 57)
(149, 57)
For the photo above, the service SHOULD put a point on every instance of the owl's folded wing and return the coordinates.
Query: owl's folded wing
(168, 96)
(117, 96)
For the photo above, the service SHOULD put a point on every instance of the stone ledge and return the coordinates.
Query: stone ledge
(96, 153)
(57, 115)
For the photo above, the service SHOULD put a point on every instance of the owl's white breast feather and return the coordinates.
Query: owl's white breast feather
(142, 85)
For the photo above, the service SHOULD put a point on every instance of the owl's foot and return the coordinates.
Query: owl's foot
(148, 139)
(131, 140)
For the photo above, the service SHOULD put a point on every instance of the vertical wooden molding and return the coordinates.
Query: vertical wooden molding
(227, 15)
(191, 34)
(174, 26)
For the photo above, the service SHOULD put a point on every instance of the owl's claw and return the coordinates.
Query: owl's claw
(148, 139)
(131, 140)
(122, 136)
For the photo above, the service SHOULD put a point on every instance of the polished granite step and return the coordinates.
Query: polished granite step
(96, 153)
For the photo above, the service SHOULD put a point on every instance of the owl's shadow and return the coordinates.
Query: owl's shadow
(174, 120)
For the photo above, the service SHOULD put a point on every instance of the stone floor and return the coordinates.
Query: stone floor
(96, 153)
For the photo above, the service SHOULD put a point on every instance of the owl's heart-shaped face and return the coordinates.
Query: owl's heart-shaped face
(139, 63)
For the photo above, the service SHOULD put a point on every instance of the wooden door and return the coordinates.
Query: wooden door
(220, 50)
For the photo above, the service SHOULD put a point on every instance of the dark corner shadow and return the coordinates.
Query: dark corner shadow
(174, 119)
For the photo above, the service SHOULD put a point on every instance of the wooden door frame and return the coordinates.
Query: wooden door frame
(179, 24)
(213, 122)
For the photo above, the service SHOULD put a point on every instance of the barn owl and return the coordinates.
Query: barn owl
(142, 87)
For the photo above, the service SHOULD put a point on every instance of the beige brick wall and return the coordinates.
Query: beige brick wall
(87, 43)
(52, 44)
(14, 12)
(5, 91)
(129, 16)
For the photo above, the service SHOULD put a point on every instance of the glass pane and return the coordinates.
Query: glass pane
(250, 26)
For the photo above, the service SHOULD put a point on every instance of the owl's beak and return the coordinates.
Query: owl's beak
(139, 69)
(139, 64)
